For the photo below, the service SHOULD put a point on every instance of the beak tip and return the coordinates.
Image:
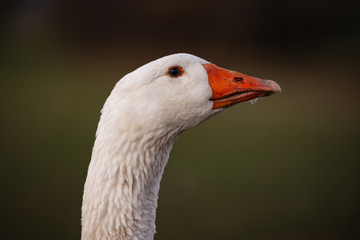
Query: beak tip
(274, 86)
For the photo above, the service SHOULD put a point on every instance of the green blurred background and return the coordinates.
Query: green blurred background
(284, 168)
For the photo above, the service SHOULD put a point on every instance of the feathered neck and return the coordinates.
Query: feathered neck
(123, 181)
(121, 189)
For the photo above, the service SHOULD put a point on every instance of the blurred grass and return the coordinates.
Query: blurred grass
(285, 168)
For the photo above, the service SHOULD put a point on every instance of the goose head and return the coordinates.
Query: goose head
(179, 91)
(144, 114)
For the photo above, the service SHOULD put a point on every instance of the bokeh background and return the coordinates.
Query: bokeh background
(284, 168)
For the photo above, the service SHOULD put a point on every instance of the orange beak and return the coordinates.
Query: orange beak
(230, 87)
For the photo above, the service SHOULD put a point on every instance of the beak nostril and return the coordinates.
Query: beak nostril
(238, 79)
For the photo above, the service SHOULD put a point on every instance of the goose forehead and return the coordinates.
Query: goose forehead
(182, 59)
(159, 67)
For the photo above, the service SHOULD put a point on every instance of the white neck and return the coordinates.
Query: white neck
(121, 190)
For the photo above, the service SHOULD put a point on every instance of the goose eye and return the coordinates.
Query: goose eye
(175, 71)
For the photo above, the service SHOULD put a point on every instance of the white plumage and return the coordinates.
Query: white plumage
(145, 113)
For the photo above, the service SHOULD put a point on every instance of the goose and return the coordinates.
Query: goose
(145, 113)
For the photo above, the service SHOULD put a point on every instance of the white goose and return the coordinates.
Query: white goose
(145, 113)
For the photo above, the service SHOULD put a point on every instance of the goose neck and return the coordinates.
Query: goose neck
(122, 186)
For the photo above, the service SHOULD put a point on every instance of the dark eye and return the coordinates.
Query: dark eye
(176, 71)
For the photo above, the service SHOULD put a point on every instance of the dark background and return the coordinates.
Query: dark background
(285, 168)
